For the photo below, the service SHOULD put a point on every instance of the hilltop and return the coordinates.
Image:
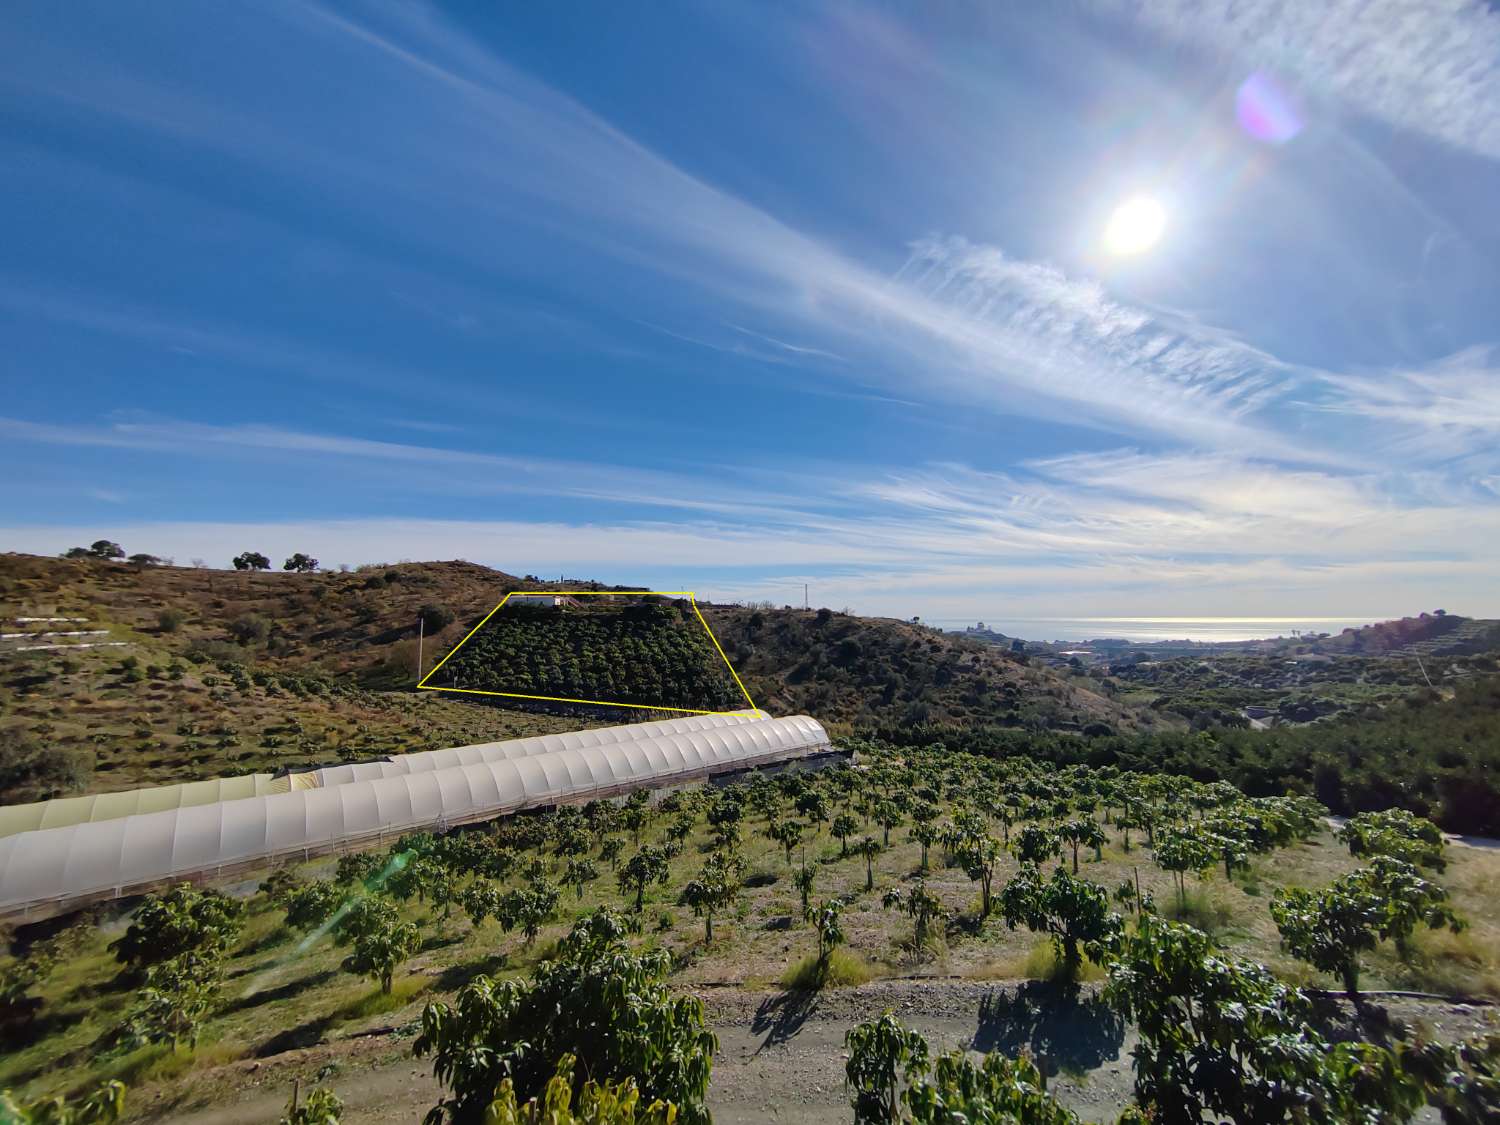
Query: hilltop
(227, 671)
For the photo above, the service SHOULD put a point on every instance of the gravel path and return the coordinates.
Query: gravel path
(781, 1056)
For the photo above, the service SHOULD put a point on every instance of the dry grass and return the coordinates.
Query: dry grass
(842, 970)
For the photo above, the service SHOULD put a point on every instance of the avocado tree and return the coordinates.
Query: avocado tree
(1075, 912)
(713, 891)
(310, 905)
(924, 832)
(883, 1055)
(1035, 844)
(596, 1000)
(804, 880)
(888, 816)
(100, 1107)
(827, 920)
(182, 921)
(1331, 928)
(1180, 852)
(977, 855)
(380, 940)
(647, 866)
(844, 826)
(1395, 833)
(787, 833)
(176, 998)
(1086, 832)
(919, 904)
(869, 847)
(579, 872)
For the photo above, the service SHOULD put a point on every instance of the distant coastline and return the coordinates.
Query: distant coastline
(1081, 629)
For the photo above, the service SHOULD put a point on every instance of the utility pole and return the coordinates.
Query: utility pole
(804, 596)
(421, 635)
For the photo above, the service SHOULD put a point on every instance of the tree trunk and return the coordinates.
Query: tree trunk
(869, 872)
(708, 929)
(1075, 858)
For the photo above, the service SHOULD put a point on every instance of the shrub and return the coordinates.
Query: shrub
(170, 619)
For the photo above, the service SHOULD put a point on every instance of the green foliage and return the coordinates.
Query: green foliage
(102, 1107)
(251, 560)
(30, 771)
(178, 995)
(614, 1103)
(713, 891)
(597, 1000)
(380, 940)
(919, 904)
(1035, 844)
(1075, 912)
(1329, 929)
(1395, 833)
(894, 1079)
(311, 904)
(302, 564)
(181, 922)
(654, 653)
(647, 866)
(322, 1107)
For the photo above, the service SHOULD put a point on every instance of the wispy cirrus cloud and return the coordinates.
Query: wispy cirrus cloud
(1447, 409)
(1429, 66)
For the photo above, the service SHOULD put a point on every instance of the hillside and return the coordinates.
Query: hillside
(224, 671)
(861, 670)
(1437, 634)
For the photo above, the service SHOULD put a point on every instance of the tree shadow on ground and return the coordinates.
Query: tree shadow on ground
(782, 1016)
(455, 977)
(1060, 1025)
(283, 992)
(1341, 1020)
(308, 1034)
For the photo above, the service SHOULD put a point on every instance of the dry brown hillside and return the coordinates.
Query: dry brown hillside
(226, 671)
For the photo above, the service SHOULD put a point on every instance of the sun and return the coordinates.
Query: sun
(1136, 226)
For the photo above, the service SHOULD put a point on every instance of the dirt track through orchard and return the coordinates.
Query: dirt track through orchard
(781, 1055)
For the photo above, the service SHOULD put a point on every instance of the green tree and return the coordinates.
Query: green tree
(102, 1107)
(1075, 912)
(1180, 852)
(713, 891)
(977, 855)
(178, 995)
(869, 847)
(888, 816)
(182, 921)
(251, 560)
(322, 1107)
(827, 920)
(1035, 844)
(883, 1055)
(578, 872)
(842, 828)
(919, 904)
(1395, 833)
(104, 549)
(597, 1000)
(310, 905)
(925, 833)
(647, 866)
(787, 833)
(804, 880)
(1085, 832)
(380, 940)
(302, 564)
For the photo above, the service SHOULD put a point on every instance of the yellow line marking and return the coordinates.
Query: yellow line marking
(423, 685)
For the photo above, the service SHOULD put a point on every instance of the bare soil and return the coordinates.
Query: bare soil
(781, 1054)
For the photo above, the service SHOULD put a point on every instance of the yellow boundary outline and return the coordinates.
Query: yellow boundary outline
(423, 685)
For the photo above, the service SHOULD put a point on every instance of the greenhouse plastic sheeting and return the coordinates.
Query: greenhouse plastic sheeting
(54, 866)
(427, 760)
(108, 806)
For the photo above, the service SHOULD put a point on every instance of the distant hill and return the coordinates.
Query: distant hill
(872, 670)
(1440, 634)
(227, 671)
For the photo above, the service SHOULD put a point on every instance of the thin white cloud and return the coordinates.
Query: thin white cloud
(1447, 409)
(1429, 66)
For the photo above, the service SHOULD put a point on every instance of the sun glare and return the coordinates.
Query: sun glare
(1135, 226)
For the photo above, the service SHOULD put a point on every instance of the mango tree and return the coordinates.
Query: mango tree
(597, 1000)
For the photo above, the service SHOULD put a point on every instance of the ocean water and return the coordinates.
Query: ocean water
(1159, 628)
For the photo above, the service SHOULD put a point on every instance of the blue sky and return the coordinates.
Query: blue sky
(742, 296)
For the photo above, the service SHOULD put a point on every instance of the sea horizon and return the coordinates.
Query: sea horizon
(1081, 629)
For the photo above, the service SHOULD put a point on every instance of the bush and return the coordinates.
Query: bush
(250, 629)
(170, 619)
(840, 969)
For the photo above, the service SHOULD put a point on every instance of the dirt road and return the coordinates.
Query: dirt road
(781, 1055)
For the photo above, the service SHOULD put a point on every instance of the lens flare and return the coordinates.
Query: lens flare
(1265, 110)
(1136, 225)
